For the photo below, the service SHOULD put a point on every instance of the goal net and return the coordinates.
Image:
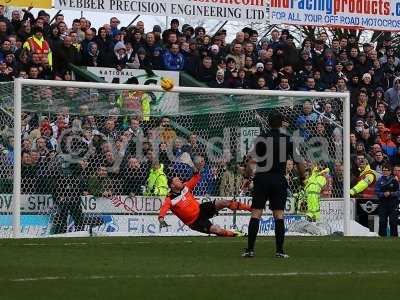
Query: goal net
(94, 158)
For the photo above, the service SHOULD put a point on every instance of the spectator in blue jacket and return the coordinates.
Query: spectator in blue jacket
(387, 190)
(173, 59)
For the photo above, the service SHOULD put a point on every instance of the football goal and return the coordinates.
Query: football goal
(82, 158)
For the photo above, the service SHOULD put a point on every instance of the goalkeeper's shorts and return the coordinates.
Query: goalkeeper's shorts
(203, 223)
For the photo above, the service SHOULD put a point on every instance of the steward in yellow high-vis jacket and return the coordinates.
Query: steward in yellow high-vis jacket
(313, 186)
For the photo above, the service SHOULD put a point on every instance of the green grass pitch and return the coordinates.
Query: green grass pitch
(204, 268)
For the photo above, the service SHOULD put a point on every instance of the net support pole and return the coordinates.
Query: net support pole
(346, 166)
(17, 160)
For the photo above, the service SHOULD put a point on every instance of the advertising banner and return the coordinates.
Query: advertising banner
(163, 102)
(368, 14)
(27, 3)
(29, 203)
(229, 10)
(148, 225)
(127, 215)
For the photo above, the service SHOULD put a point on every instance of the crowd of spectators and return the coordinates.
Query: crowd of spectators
(31, 47)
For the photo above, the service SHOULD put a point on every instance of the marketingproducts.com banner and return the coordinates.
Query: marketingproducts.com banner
(368, 14)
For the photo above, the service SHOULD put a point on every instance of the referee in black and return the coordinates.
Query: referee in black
(270, 152)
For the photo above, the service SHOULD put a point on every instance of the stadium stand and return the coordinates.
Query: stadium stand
(30, 47)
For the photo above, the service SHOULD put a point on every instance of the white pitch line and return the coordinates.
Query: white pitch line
(183, 276)
(214, 241)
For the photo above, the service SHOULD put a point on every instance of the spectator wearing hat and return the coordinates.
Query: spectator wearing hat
(215, 53)
(366, 84)
(349, 69)
(174, 29)
(328, 76)
(278, 56)
(290, 52)
(37, 44)
(339, 68)
(187, 31)
(157, 33)
(361, 64)
(120, 58)
(259, 71)
(143, 59)
(392, 95)
(305, 71)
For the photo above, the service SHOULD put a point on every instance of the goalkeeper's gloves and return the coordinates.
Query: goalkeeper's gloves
(163, 223)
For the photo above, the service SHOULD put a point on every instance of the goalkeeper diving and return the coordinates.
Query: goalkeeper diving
(196, 216)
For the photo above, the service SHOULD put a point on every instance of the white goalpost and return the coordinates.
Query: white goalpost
(225, 115)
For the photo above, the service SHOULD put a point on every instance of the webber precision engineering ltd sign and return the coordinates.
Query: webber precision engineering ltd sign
(231, 10)
(368, 14)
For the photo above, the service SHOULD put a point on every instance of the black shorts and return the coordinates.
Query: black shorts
(203, 223)
(272, 187)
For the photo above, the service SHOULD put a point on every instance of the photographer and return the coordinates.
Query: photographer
(387, 190)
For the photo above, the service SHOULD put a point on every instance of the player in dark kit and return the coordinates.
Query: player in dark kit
(270, 152)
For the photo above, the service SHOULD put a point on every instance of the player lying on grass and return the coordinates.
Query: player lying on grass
(197, 216)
